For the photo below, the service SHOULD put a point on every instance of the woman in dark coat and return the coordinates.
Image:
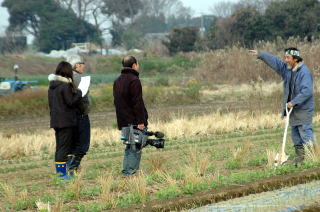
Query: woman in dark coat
(63, 100)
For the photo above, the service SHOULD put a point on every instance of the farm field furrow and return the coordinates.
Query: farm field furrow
(161, 170)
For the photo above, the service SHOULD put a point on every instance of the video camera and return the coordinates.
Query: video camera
(139, 138)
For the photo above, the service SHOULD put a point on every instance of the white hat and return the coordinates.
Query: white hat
(74, 59)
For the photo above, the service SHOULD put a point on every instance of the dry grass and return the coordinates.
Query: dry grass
(122, 185)
(75, 187)
(235, 64)
(19, 145)
(24, 195)
(168, 178)
(43, 142)
(243, 90)
(241, 153)
(191, 176)
(271, 154)
(157, 161)
(199, 161)
(58, 207)
(312, 151)
(216, 123)
(24, 103)
(213, 176)
(107, 196)
(139, 184)
(9, 193)
(42, 206)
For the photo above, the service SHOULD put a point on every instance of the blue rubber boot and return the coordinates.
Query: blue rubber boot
(61, 169)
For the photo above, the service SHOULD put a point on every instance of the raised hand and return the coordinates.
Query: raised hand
(254, 52)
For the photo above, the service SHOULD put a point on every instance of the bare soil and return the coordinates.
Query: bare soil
(104, 119)
(108, 118)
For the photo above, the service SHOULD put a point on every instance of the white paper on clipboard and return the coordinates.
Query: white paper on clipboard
(84, 85)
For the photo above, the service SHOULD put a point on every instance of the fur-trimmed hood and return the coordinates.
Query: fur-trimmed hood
(53, 77)
(56, 80)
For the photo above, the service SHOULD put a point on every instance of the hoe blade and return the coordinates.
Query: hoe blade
(280, 159)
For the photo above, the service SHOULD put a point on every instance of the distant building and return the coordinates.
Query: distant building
(154, 37)
(87, 47)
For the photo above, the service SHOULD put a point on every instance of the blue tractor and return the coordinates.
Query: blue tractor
(11, 86)
(14, 85)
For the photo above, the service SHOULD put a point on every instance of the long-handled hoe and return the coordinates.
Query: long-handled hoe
(282, 157)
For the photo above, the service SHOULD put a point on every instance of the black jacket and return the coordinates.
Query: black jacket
(127, 92)
(62, 102)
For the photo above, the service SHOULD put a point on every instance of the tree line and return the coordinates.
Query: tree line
(56, 24)
(249, 21)
(252, 21)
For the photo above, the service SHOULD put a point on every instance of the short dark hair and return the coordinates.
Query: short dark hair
(298, 58)
(128, 61)
(64, 69)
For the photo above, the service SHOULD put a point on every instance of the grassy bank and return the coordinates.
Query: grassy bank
(35, 103)
(38, 67)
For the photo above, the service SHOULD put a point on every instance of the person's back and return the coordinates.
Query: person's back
(130, 109)
(63, 100)
(128, 100)
(81, 142)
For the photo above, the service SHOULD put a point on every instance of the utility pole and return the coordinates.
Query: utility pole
(15, 70)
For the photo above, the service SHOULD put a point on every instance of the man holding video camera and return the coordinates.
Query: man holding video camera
(130, 109)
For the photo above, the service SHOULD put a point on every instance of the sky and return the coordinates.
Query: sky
(199, 7)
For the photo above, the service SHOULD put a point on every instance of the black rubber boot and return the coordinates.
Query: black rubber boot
(73, 164)
(70, 158)
(300, 153)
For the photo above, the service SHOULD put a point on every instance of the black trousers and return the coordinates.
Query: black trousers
(81, 141)
(64, 139)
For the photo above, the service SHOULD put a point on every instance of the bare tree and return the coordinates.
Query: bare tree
(166, 8)
(65, 3)
(81, 8)
(90, 11)
(223, 9)
(259, 5)
(122, 11)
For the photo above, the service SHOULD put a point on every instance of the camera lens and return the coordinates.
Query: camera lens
(158, 143)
